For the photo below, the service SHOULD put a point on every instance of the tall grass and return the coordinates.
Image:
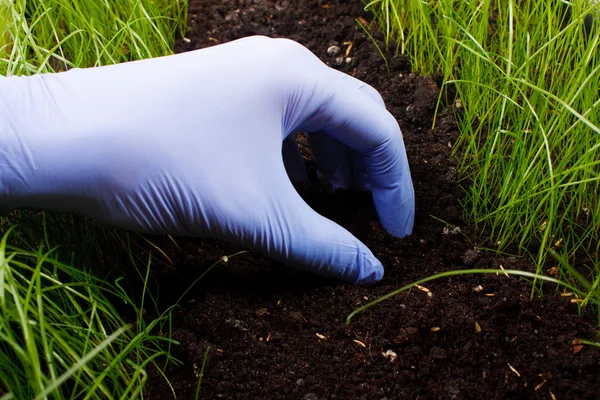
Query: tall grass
(528, 79)
(53, 35)
(61, 334)
(61, 337)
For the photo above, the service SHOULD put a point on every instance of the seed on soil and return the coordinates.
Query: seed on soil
(477, 327)
(390, 355)
(359, 343)
(424, 289)
(435, 329)
(478, 288)
(348, 60)
(538, 387)
(333, 51)
(577, 345)
(490, 294)
(567, 294)
(349, 44)
(274, 337)
(514, 370)
(322, 337)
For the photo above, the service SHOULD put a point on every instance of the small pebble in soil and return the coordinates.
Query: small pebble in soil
(216, 373)
(333, 51)
(450, 230)
(390, 355)
(310, 396)
(296, 316)
(470, 256)
(300, 382)
(437, 353)
(236, 324)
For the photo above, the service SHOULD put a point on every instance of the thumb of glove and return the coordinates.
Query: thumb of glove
(318, 245)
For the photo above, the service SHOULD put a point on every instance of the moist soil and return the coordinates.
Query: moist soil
(270, 332)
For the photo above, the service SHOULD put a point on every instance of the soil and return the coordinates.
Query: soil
(273, 333)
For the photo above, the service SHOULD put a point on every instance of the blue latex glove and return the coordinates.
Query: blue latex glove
(191, 145)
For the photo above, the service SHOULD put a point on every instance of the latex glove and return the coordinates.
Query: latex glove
(191, 145)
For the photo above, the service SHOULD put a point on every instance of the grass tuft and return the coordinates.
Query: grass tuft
(55, 35)
(60, 334)
(527, 75)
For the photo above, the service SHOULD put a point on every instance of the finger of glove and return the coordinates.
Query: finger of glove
(355, 119)
(337, 164)
(360, 172)
(318, 245)
(292, 159)
(264, 212)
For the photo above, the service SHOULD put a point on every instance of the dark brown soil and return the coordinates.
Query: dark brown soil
(275, 333)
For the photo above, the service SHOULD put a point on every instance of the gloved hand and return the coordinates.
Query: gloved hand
(191, 145)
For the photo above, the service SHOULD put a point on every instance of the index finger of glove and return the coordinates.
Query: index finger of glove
(352, 116)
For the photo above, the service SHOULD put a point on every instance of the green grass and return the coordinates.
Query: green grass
(54, 35)
(529, 146)
(61, 336)
(65, 332)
